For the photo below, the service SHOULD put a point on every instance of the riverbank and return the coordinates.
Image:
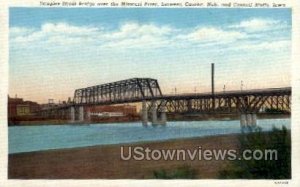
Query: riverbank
(104, 162)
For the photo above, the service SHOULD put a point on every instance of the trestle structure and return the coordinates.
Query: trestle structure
(156, 106)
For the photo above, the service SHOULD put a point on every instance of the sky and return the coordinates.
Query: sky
(54, 51)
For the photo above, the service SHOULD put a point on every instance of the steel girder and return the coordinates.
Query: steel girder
(130, 90)
(244, 103)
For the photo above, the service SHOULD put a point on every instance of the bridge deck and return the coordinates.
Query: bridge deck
(186, 96)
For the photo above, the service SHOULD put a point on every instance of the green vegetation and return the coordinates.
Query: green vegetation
(278, 139)
(183, 172)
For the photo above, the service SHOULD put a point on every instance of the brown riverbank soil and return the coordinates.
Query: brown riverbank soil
(104, 162)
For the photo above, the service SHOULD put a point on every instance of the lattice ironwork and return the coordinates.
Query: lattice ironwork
(146, 89)
(250, 101)
(130, 90)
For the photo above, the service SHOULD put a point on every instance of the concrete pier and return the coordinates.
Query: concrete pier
(144, 114)
(243, 120)
(81, 114)
(88, 116)
(254, 120)
(163, 115)
(72, 114)
(248, 121)
(154, 113)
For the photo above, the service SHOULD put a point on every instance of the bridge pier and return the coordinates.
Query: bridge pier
(254, 119)
(154, 113)
(88, 116)
(81, 114)
(243, 120)
(77, 114)
(144, 114)
(72, 114)
(163, 115)
(248, 121)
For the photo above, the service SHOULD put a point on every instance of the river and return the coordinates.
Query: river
(45, 137)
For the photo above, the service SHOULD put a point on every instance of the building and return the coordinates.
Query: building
(113, 113)
(18, 107)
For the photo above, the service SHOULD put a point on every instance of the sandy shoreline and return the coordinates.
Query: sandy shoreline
(104, 161)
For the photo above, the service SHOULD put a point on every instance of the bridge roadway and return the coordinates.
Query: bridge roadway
(276, 98)
(246, 103)
(148, 92)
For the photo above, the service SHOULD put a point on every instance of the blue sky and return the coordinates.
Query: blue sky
(64, 49)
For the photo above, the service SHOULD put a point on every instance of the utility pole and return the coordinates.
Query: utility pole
(242, 84)
(213, 85)
(213, 79)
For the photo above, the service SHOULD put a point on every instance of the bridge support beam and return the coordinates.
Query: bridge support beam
(72, 114)
(248, 121)
(144, 114)
(243, 121)
(154, 113)
(88, 116)
(81, 114)
(254, 119)
(163, 115)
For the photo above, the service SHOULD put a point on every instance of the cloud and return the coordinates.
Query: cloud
(64, 28)
(211, 34)
(275, 46)
(20, 31)
(135, 30)
(257, 24)
(127, 35)
(135, 48)
(51, 32)
(134, 35)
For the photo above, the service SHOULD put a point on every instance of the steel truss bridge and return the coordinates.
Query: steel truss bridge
(245, 101)
(126, 91)
(148, 90)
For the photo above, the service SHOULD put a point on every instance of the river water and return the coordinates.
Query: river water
(45, 137)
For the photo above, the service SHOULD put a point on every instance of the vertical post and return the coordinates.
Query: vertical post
(163, 116)
(249, 120)
(213, 85)
(88, 115)
(189, 105)
(72, 114)
(254, 119)
(243, 121)
(81, 114)
(212, 78)
(144, 114)
(154, 113)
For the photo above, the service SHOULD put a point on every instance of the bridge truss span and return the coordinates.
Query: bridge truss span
(130, 90)
(249, 101)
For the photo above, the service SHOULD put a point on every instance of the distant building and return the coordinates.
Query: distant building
(19, 107)
(113, 113)
(125, 109)
(23, 110)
